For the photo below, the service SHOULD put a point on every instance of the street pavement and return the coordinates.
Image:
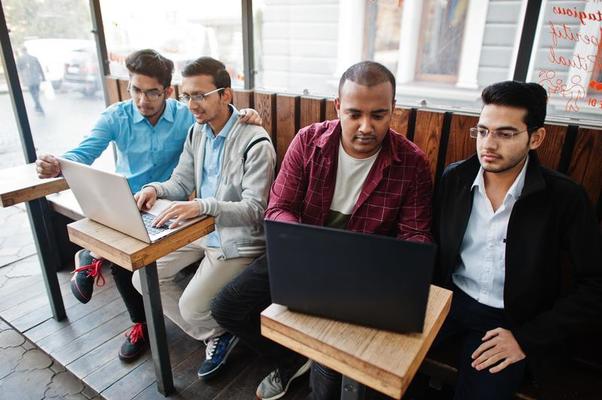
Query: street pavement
(25, 371)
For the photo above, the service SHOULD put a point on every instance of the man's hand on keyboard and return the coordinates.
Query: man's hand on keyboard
(178, 212)
(146, 198)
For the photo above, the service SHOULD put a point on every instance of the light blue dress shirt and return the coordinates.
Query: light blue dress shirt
(212, 164)
(481, 273)
(145, 153)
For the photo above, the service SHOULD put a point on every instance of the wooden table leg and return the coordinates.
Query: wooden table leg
(352, 390)
(156, 328)
(39, 218)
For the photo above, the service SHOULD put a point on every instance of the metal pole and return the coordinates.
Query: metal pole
(155, 324)
(248, 48)
(527, 37)
(101, 46)
(37, 210)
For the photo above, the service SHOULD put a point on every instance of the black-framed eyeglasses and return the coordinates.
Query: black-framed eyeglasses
(197, 97)
(151, 94)
(502, 134)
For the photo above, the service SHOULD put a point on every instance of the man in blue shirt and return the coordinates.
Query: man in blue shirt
(149, 133)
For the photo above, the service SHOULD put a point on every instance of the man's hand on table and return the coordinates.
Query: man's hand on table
(47, 166)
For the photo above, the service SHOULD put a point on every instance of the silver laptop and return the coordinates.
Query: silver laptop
(106, 198)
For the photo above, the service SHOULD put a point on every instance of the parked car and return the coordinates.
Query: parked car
(81, 71)
(52, 54)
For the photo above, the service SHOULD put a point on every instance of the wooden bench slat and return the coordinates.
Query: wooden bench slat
(124, 93)
(265, 104)
(427, 135)
(586, 162)
(112, 85)
(312, 109)
(551, 149)
(287, 115)
(330, 111)
(460, 145)
(243, 99)
(400, 120)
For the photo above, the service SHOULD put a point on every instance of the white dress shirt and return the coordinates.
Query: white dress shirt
(482, 268)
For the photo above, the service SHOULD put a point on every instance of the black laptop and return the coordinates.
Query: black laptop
(370, 280)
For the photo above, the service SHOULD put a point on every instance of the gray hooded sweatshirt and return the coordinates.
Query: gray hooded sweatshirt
(241, 196)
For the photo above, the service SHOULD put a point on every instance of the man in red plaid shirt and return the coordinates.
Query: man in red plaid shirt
(354, 173)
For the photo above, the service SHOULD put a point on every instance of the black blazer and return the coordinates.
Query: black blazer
(553, 217)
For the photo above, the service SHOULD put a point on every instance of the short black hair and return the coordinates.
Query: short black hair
(530, 96)
(368, 73)
(150, 63)
(211, 67)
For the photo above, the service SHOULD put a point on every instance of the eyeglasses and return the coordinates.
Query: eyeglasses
(197, 97)
(502, 134)
(151, 94)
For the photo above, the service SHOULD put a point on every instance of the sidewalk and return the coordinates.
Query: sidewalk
(26, 373)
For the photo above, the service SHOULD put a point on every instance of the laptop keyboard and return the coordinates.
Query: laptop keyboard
(148, 223)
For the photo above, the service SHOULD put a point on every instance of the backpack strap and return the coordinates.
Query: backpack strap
(250, 146)
(190, 130)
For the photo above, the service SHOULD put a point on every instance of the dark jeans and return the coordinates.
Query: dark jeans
(129, 294)
(237, 307)
(469, 320)
(34, 90)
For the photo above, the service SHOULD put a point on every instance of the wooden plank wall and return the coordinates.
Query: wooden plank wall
(443, 136)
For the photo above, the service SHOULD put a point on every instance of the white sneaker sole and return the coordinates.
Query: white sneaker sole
(304, 368)
(209, 373)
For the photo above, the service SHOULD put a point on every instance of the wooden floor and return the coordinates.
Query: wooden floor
(87, 343)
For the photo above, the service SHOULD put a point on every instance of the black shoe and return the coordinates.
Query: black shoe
(135, 343)
(87, 269)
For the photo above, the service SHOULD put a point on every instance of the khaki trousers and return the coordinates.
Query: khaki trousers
(191, 309)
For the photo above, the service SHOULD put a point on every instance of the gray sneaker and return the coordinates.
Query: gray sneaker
(272, 387)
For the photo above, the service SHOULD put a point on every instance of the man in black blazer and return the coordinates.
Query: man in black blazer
(504, 223)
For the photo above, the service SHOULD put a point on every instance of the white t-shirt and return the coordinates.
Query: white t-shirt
(351, 175)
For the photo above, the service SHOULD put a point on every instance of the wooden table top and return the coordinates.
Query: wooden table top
(66, 204)
(384, 361)
(21, 184)
(128, 252)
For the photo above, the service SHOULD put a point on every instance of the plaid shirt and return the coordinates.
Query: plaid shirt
(395, 199)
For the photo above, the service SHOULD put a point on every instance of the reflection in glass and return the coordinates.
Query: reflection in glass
(180, 30)
(441, 41)
(568, 59)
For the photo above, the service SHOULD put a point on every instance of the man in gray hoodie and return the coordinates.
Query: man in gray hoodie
(230, 166)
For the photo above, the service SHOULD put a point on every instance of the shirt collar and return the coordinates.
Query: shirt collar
(516, 188)
(227, 128)
(168, 112)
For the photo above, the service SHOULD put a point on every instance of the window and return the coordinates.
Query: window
(442, 52)
(58, 70)
(382, 44)
(567, 59)
(180, 30)
(10, 146)
(441, 40)
(296, 45)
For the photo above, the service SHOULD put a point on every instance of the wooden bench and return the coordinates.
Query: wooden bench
(571, 149)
